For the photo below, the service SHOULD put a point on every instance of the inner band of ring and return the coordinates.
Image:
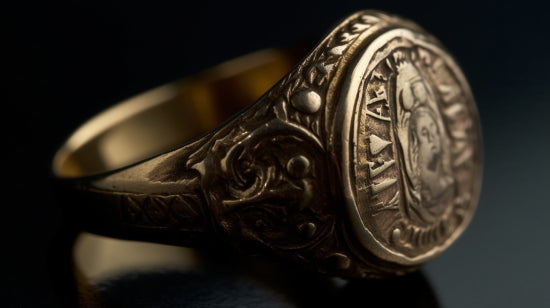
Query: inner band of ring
(113, 147)
(171, 115)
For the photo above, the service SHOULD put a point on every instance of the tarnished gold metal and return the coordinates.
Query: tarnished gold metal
(364, 160)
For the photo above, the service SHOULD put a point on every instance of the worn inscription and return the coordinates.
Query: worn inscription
(415, 149)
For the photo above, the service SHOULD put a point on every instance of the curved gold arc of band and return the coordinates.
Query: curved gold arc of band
(171, 115)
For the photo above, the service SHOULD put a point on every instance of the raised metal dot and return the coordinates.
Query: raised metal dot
(339, 261)
(307, 101)
(396, 235)
(307, 229)
(298, 166)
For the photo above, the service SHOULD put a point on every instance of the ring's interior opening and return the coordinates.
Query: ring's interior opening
(169, 116)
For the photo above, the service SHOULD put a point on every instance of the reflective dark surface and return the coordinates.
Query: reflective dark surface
(260, 283)
(68, 61)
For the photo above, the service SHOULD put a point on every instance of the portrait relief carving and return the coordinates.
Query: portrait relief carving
(415, 153)
(423, 142)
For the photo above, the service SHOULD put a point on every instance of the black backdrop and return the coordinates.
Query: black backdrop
(65, 62)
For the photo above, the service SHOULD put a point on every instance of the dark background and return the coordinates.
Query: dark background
(65, 62)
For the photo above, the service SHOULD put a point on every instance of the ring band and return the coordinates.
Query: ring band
(364, 160)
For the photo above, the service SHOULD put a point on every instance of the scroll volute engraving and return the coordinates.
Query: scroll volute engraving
(264, 185)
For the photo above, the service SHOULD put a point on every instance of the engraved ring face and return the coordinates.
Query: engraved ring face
(412, 162)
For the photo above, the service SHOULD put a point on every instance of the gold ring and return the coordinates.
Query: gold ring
(364, 160)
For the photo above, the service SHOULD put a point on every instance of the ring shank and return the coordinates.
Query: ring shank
(171, 115)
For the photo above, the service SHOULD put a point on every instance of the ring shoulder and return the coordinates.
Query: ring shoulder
(267, 175)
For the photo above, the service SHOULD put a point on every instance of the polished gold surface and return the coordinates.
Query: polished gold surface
(361, 159)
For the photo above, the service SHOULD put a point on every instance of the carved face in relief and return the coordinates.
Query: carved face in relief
(416, 175)
(425, 146)
(425, 142)
(427, 155)
(421, 133)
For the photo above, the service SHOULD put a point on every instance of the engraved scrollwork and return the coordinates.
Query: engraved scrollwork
(305, 87)
(265, 176)
(265, 183)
